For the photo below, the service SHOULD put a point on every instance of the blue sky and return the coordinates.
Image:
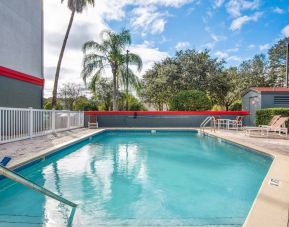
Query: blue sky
(234, 30)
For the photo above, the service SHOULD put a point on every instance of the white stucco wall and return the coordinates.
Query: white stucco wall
(21, 36)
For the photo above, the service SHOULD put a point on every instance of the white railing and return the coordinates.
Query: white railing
(18, 123)
(208, 120)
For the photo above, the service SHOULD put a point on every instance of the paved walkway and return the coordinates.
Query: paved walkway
(274, 143)
(20, 150)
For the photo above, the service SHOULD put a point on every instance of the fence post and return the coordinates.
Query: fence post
(53, 120)
(68, 119)
(79, 118)
(30, 122)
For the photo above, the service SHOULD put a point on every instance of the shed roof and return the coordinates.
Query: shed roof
(270, 89)
(267, 89)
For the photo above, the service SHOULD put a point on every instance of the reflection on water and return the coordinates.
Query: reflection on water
(141, 179)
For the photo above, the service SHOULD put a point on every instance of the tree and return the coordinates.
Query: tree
(196, 66)
(69, 94)
(75, 6)
(111, 53)
(83, 103)
(225, 87)
(48, 104)
(133, 103)
(158, 84)
(188, 70)
(277, 59)
(102, 91)
(190, 100)
(254, 72)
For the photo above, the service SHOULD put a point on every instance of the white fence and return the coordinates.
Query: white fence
(18, 124)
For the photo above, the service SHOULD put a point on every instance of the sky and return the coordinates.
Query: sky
(233, 30)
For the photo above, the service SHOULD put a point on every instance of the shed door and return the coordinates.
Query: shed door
(252, 109)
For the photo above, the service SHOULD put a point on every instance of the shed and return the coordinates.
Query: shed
(263, 97)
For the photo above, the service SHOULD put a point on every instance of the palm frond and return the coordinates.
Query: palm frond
(134, 59)
(78, 5)
(95, 78)
(93, 46)
(133, 80)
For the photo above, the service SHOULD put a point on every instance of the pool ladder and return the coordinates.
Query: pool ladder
(24, 181)
(208, 120)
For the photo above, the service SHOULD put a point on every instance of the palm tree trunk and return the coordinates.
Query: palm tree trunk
(54, 94)
(114, 104)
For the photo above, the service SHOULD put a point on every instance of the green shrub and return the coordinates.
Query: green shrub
(263, 116)
(190, 100)
(237, 105)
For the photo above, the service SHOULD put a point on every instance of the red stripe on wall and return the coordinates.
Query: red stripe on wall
(20, 76)
(166, 112)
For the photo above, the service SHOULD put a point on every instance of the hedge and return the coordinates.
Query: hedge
(263, 116)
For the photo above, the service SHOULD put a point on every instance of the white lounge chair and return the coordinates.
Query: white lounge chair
(278, 127)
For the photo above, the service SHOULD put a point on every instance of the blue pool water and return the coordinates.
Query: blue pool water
(140, 178)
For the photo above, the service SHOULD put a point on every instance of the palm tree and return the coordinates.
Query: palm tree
(110, 52)
(76, 6)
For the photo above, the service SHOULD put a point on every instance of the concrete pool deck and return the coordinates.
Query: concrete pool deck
(25, 151)
(270, 207)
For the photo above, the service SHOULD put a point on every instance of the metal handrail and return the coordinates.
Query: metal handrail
(205, 122)
(24, 181)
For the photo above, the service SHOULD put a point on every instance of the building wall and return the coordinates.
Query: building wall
(23, 94)
(248, 106)
(21, 50)
(21, 36)
(152, 121)
(267, 100)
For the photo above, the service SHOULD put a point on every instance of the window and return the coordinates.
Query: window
(281, 99)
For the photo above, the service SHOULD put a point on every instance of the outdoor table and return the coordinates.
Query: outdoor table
(224, 122)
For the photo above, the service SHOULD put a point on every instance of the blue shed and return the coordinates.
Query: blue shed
(263, 97)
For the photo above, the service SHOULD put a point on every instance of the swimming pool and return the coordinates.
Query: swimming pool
(140, 177)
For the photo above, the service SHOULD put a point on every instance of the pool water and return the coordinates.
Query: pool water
(140, 178)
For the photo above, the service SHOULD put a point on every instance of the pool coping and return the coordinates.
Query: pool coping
(270, 207)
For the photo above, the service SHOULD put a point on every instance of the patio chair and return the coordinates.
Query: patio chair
(92, 123)
(236, 124)
(272, 121)
(279, 126)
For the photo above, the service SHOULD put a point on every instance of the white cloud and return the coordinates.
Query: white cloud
(278, 10)
(285, 31)
(149, 19)
(149, 55)
(167, 3)
(264, 47)
(234, 58)
(240, 21)
(234, 7)
(219, 3)
(251, 46)
(215, 40)
(182, 45)
(221, 54)
(226, 56)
